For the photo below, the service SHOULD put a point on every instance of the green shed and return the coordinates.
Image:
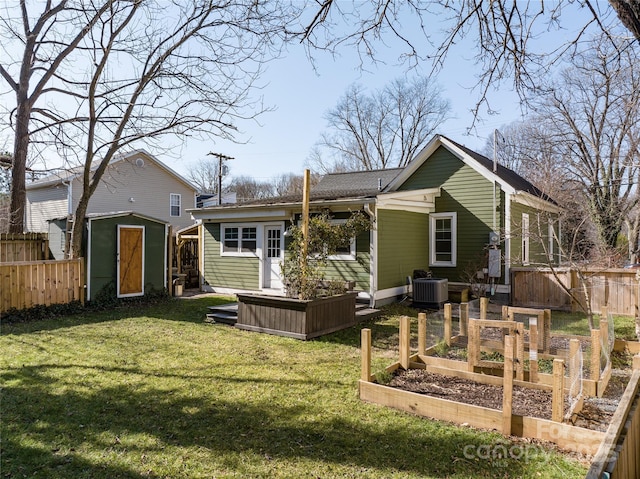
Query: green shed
(126, 250)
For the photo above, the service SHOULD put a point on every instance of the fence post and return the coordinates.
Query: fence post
(604, 334)
(520, 351)
(557, 398)
(405, 341)
(505, 312)
(636, 361)
(507, 396)
(365, 345)
(473, 345)
(422, 333)
(533, 350)
(574, 367)
(546, 331)
(464, 319)
(595, 354)
(447, 323)
(484, 303)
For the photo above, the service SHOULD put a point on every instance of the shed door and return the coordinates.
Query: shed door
(130, 260)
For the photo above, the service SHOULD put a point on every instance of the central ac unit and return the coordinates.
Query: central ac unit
(430, 292)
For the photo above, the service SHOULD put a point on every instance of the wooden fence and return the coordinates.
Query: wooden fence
(23, 247)
(27, 284)
(543, 288)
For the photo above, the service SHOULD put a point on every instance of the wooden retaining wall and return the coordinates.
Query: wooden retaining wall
(23, 247)
(619, 454)
(543, 288)
(27, 284)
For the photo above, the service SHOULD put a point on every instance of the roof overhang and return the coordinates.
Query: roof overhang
(272, 212)
(117, 214)
(416, 201)
(527, 199)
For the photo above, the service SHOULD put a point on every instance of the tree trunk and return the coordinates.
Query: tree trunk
(78, 225)
(18, 172)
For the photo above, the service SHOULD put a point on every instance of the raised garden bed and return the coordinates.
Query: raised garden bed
(296, 318)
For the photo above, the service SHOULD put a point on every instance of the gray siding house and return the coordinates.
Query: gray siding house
(136, 181)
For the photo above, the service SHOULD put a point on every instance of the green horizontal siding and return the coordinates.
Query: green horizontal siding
(467, 193)
(227, 271)
(353, 270)
(403, 245)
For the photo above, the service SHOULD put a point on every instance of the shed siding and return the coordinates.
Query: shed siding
(227, 271)
(403, 246)
(104, 249)
(44, 204)
(150, 187)
(469, 194)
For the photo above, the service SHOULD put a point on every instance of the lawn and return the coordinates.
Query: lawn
(157, 392)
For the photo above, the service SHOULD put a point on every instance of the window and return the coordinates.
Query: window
(442, 237)
(525, 238)
(239, 240)
(552, 236)
(174, 202)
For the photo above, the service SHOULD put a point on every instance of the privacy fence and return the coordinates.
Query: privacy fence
(23, 247)
(548, 288)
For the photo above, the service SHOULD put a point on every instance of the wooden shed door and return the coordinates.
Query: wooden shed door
(130, 260)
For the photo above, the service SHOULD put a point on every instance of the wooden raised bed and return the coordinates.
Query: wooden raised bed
(296, 318)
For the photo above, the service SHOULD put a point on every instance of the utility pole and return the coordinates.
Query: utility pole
(221, 158)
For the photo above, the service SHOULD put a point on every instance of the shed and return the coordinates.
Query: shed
(128, 250)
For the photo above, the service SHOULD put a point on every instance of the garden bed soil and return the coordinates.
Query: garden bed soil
(596, 413)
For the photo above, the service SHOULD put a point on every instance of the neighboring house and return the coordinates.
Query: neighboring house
(135, 181)
(440, 213)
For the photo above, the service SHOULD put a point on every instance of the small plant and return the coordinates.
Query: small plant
(441, 349)
(384, 377)
(304, 273)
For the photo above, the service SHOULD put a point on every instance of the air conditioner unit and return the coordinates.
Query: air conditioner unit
(430, 292)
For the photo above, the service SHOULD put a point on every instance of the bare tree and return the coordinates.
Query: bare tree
(146, 69)
(503, 33)
(248, 189)
(204, 175)
(384, 129)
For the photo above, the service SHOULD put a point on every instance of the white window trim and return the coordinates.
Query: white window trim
(247, 254)
(454, 239)
(526, 243)
(551, 234)
(171, 205)
(351, 256)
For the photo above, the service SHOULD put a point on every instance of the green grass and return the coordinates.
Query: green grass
(156, 392)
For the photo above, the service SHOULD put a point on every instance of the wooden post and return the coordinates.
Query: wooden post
(405, 341)
(447, 323)
(422, 333)
(636, 361)
(574, 346)
(557, 398)
(533, 350)
(365, 345)
(306, 186)
(464, 319)
(505, 313)
(595, 354)
(604, 332)
(507, 395)
(546, 331)
(473, 345)
(484, 303)
(519, 351)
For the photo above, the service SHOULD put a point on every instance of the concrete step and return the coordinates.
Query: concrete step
(367, 313)
(226, 308)
(222, 317)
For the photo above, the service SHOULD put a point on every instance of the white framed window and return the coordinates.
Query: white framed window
(175, 201)
(443, 239)
(345, 252)
(238, 240)
(525, 238)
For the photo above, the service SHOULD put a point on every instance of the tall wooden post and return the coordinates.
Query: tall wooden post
(365, 345)
(595, 354)
(557, 397)
(533, 350)
(473, 345)
(422, 333)
(507, 395)
(574, 365)
(447, 323)
(520, 352)
(546, 331)
(305, 219)
(405, 341)
(484, 304)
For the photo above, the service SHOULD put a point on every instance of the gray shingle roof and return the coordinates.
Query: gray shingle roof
(354, 183)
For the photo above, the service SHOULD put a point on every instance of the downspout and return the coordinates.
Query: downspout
(373, 252)
(507, 238)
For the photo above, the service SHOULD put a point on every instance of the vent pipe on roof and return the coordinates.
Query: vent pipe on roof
(379, 184)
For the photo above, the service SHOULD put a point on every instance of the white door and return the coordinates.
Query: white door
(273, 254)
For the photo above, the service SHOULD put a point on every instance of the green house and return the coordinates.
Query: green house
(451, 211)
